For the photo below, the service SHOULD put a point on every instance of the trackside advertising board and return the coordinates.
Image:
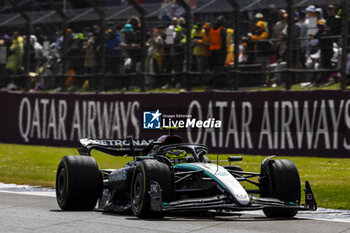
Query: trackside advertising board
(312, 123)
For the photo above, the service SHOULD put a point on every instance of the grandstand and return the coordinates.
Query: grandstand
(77, 44)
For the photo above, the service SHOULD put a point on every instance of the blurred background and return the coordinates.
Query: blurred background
(88, 45)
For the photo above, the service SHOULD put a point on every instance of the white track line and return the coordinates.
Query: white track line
(321, 214)
(43, 194)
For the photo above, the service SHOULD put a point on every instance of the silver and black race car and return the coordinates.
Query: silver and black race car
(167, 175)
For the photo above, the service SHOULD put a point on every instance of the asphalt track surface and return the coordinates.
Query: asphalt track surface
(30, 213)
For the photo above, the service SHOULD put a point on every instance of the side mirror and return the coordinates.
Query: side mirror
(235, 158)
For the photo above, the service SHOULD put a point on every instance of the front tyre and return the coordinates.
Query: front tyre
(285, 186)
(146, 172)
(78, 183)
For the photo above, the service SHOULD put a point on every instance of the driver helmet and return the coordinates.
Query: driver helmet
(177, 156)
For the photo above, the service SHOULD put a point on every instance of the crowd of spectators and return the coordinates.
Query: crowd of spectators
(315, 46)
(316, 41)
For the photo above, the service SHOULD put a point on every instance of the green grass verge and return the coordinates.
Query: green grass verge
(36, 165)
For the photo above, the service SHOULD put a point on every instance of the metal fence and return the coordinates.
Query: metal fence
(233, 45)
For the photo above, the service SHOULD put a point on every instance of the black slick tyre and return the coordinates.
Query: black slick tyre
(147, 171)
(285, 187)
(78, 183)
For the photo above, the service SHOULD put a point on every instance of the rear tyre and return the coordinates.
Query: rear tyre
(148, 171)
(78, 183)
(285, 187)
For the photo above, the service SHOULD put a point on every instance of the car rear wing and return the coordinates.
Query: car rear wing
(117, 147)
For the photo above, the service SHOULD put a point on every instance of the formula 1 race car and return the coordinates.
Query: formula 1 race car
(167, 176)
